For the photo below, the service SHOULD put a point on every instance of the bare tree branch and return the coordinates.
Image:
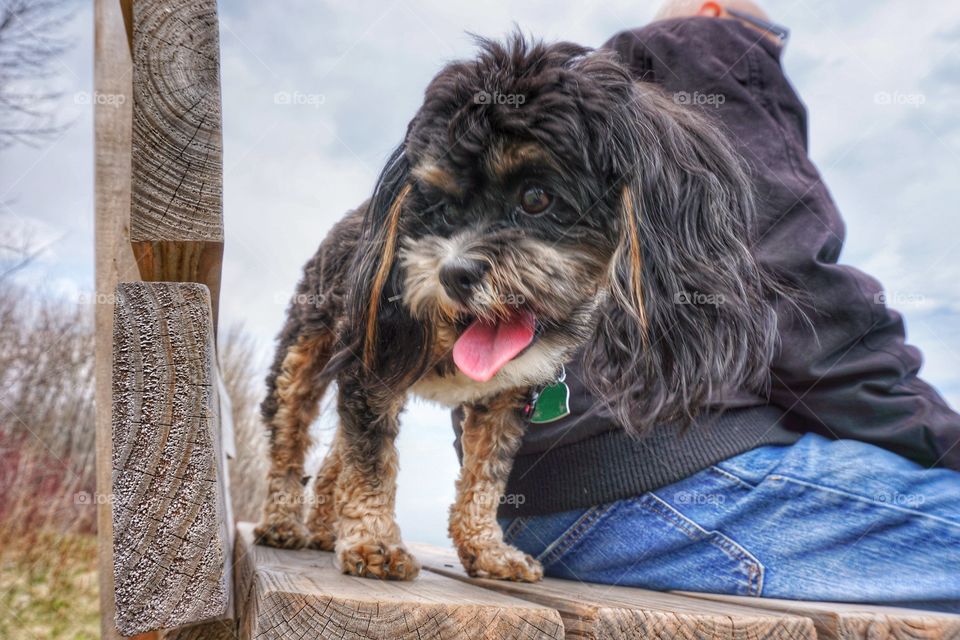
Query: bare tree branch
(32, 43)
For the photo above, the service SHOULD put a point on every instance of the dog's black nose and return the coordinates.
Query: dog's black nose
(460, 277)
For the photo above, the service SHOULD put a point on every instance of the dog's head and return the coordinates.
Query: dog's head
(543, 200)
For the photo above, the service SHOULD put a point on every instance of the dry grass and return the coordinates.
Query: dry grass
(48, 581)
(241, 377)
(48, 589)
(46, 414)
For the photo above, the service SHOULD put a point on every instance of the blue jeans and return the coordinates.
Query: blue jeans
(834, 520)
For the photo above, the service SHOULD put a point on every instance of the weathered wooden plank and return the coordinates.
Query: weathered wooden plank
(302, 594)
(176, 215)
(850, 621)
(114, 259)
(612, 612)
(225, 629)
(172, 546)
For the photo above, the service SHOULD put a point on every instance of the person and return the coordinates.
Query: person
(843, 484)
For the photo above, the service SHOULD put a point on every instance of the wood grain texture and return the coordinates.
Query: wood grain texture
(301, 594)
(609, 612)
(177, 147)
(845, 621)
(182, 261)
(172, 547)
(176, 214)
(114, 259)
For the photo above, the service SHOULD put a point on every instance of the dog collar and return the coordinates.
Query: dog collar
(548, 403)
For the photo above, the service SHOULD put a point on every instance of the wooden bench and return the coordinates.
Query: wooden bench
(172, 562)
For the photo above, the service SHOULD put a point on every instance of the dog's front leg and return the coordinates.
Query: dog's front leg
(368, 538)
(491, 436)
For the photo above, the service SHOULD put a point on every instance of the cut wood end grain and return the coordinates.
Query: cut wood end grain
(170, 524)
(177, 163)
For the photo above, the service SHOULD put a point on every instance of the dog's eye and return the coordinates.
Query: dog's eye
(535, 199)
(447, 214)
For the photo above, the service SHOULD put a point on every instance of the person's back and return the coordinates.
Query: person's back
(822, 491)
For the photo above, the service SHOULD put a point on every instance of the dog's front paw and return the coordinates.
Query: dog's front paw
(501, 562)
(377, 560)
(283, 534)
(322, 540)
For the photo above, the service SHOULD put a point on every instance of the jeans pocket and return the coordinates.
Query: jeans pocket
(540, 535)
(740, 565)
(512, 527)
(645, 542)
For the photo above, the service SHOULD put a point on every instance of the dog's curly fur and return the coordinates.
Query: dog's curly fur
(650, 206)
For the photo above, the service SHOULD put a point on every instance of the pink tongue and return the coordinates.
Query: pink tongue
(485, 347)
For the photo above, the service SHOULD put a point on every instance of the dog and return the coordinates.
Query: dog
(542, 202)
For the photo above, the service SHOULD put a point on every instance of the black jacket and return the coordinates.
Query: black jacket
(849, 375)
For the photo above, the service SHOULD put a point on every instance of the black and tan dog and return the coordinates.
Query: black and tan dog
(542, 201)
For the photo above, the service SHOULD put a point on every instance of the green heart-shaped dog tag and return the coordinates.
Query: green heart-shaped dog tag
(553, 403)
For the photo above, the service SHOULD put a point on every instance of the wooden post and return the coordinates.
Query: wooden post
(176, 215)
(159, 217)
(172, 532)
(114, 258)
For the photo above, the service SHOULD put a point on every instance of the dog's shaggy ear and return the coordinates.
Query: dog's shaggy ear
(688, 318)
(390, 343)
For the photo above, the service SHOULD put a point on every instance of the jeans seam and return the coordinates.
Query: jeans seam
(731, 476)
(514, 524)
(556, 549)
(754, 568)
(864, 499)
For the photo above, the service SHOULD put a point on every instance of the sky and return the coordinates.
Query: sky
(317, 93)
